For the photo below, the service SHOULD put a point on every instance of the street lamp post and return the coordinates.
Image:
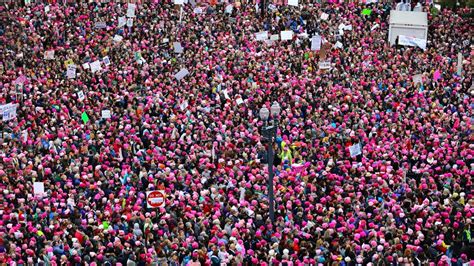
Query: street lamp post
(269, 135)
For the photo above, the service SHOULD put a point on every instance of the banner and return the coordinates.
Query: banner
(411, 41)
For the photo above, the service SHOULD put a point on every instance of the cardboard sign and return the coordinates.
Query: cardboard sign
(71, 71)
(324, 65)
(355, 150)
(324, 16)
(38, 188)
(95, 66)
(177, 47)
(293, 2)
(106, 114)
(49, 55)
(100, 25)
(286, 35)
(261, 36)
(181, 74)
(122, 21)
(316, 43)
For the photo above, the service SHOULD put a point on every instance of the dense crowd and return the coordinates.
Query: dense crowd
(407, 199)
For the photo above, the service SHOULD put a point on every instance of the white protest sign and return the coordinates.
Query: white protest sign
(49, 55)
(130, 22)
(106, 61)
(459, 68)
(177, 47)
(286, 35)
(118, 38)
(348, 27)
(131, 10)
(316, 43)
(293, 2)
(85, 66)
(355, 150)
(178, 2)
(8, 111)
(324, 16)
(95, 66)
(275, 37)
(181, 74)
(338, 45)
(38, 188)
(261, 36)
(81, 96)
(324, 65)
(198, 10)
(418, 79)
(46, 9)
(229, 8)
(412, 41)
(100, 25)
(184, 105)
(374, 27)
(106, 114)
(121, 21)
(239, 101)
(71, 71)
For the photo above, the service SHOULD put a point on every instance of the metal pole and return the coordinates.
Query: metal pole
(270, 180)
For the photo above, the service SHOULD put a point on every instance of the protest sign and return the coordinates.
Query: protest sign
(38, 188)
(197, 10)
(106, 61)
(459, 68)
(85, 66)
(316, 43)
(100, 25)
(181, 74)
(46, 9)
(71, 71)
(411, 41)
(177, 47)
(417, 79)
(338, 45)
(324, 65)
(178, 2)
(324, 16)
(274, 37)
(118, 38)
(366, 12)
(355, 150)
(229, 8)
(8, 111)
(84, 117)
(130, 22)
(261, 36)
(131, 10)
(106, 114)
(239, 101)
(293, 2)
(155, 199)
(49, 55)
(121, 21)
(183, 105)
(286, 35)
(81, 96)
(95, 66)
